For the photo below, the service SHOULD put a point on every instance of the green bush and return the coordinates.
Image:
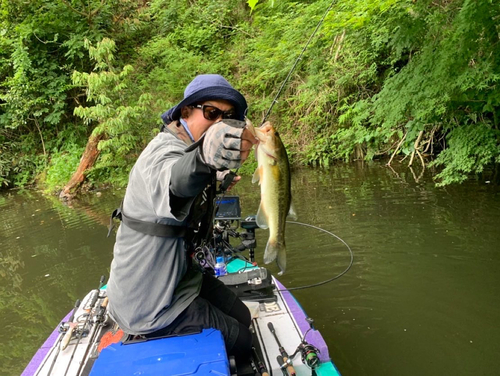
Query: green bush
(377, 75)
(61, 167)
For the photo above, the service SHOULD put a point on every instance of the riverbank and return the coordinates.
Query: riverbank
(380, 78)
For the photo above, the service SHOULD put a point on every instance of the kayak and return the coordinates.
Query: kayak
(285, 342)
(98, 347)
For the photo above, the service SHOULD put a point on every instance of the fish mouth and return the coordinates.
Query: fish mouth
(262, 132)
(266, 151)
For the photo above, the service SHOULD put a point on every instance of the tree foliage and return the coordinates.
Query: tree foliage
(381, 78)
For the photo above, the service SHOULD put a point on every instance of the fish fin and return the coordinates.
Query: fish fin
(291, 213)
(271, 251)
(256, 175)
(281, 259)
(276, 251)
(261, 218)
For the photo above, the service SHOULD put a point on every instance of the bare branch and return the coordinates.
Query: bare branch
(415, 147)
(67, 3)
(397, 149)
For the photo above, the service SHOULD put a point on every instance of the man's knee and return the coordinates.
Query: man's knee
(241, 313)
(243, 345)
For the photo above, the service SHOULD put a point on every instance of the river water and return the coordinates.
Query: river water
(422, 296)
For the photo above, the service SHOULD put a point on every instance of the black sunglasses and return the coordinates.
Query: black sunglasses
(213, 113)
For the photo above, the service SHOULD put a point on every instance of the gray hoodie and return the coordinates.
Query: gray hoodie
(150, 283)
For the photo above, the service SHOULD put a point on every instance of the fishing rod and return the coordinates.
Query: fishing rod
(98, 324)
(275, 100)
(93, 300)
(231, 175)
(286, 362)
(69, 332)
(260, 364)
(282, 364)
(62, 337)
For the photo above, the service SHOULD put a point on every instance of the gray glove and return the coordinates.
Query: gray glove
(221, 149)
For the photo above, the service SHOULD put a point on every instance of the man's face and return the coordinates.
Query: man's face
(198, 124)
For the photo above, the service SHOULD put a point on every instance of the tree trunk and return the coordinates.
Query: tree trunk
(86, 162)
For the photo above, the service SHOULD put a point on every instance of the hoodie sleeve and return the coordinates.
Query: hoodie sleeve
(189, 177)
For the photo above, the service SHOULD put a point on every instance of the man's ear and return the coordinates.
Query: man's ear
(186, 112)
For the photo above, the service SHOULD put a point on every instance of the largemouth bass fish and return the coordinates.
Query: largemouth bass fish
(273, 175)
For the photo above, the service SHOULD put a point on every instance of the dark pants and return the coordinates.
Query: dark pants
(219, 308)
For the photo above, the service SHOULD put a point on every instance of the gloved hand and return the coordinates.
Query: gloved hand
(221, 148)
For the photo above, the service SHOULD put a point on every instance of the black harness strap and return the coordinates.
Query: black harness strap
(148, 228)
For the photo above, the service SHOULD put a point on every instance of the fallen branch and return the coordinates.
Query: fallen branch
(430, 141)
(421, 159)
(415, 147)
(397, 149)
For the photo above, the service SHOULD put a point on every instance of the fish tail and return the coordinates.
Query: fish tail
(271, 251)
(275, 250)
(281, 261)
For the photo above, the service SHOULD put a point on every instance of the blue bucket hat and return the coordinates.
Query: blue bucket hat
(208, 87)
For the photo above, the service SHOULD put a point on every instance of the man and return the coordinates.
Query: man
(168, 211)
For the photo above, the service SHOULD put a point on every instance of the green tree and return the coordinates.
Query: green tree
(116, 135)
(410, 80)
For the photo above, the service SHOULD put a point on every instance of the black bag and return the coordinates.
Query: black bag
(254, 284)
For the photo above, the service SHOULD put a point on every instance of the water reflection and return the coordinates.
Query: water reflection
(50, 255)
(422, 296)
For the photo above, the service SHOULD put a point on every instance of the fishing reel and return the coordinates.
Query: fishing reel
(309, 354)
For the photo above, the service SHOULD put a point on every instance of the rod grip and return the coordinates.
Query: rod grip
(93, 300)
(281, 362)
(270, 326)
(289, 367)
(77, 304)
(67, 336)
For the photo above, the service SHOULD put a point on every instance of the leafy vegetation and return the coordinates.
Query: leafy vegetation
(400, 78)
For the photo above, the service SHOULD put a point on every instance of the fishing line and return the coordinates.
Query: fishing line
(275, 100)
(330, 279)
